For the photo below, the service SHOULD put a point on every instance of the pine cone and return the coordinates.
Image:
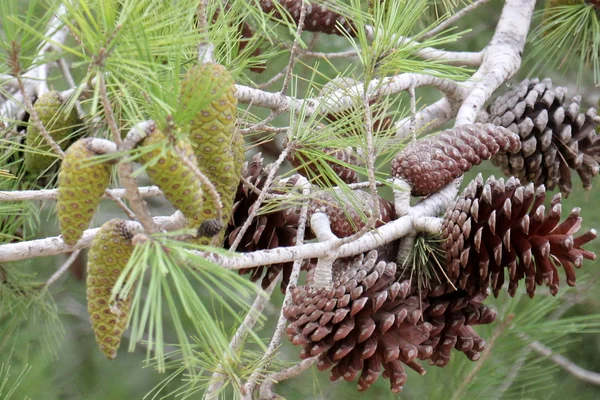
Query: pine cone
(555, 136)
(343, 210)
(318, 17)
(312, 170)
(366, 321)
(270, 230)
(82, 180)
(452, 316)
(505, 225)
(431, 163)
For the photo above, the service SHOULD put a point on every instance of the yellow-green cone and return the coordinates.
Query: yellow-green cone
(217, 143)
(81, 184)
(108, 256)
(177, 181)
(57, 124)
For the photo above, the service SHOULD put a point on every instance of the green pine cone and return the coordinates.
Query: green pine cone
(218, 145)
(178, 182)
(111, 249)
(57, 124)
(81, 184)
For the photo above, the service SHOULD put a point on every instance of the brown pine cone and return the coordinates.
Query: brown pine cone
(268, 231)
(343, 213)
(452, 316)
(555, 136)
(311, 169)
(365, 323)
(500, 226)
(318, 17)
(430, 164)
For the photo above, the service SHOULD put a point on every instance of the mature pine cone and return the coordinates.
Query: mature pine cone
(452, 316)
(268, 231)
(318, 17)
(349, 213)
(431, 163)
(312, 170)
(555, 136)
(366, 321)
(505, 225)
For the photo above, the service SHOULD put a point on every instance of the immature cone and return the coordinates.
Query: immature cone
(270, 230)
(82, 180)
(367, 322)
(108, 256)
(60, 126)
(349, 213)
(312, 170)
(555, 136)
(500, 226)
(218, 145)
(430, 164)
(319, 18)
(177, 181)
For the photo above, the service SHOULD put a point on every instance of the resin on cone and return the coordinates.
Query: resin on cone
(177, 181)
(82, 180)
(111, 249)
(59, 125)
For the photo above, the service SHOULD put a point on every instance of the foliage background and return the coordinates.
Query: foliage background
(79, 371)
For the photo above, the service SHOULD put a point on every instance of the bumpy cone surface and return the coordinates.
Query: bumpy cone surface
(57, 124)
(500, 226)
(343, 211)
(218, 145)
(365, 324)
(108, 256)
(82, 181)
(173, 177)
(319, 18)
(452, 317)
(430, 164)
(555, 136)
(277, 228)
(312, 170)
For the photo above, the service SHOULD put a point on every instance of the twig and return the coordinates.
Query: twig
(389, 232)
(266, 389)
(218, 379)
(51, 194)
(459, 393)
(276, 338)
(253, 211)
(136, 201)
(444, 25)
(563, 362)
(66, 265)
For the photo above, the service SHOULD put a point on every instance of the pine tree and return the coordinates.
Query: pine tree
(178, 161)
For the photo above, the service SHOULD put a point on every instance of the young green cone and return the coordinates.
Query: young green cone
(57, 124)
(218, 145)
(175, 179)
(82, 180)
(111, 249)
